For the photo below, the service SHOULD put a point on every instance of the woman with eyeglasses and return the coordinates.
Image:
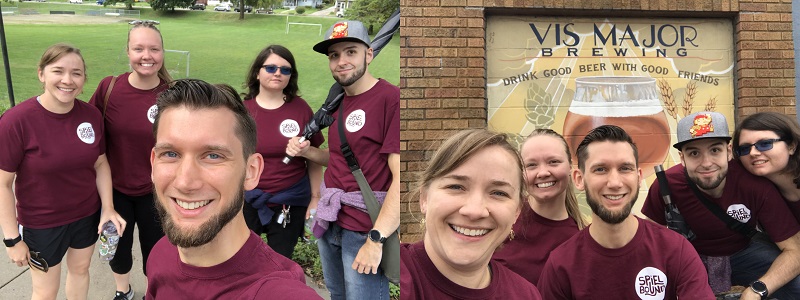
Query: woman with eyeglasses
(52, 150)
(766, 144)
(470, 193)
(286, 193)
(550, 215)
(128, 105)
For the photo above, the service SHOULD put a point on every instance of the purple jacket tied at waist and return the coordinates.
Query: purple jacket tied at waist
(298, 194)
(331, 202)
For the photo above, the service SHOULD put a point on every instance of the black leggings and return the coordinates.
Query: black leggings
(280, 239)
(135, 210)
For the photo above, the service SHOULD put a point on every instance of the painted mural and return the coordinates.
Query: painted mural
(574, 74)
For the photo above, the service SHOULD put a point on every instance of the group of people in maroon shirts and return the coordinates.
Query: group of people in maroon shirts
(167, 155)
(504, 224)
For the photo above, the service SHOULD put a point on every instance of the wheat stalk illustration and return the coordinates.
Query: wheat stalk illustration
(691, 91)
(711, 104)
(669, 98)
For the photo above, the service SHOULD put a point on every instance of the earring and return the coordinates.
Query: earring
(511, 236)
(422, 221)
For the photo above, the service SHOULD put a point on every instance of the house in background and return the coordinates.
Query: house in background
(343, 4)
(296, 3)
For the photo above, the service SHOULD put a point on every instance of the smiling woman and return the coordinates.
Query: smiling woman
(471, 193)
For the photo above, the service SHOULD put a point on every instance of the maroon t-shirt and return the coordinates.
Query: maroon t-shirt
(534, 237)
(254, 272)
(53, 156)
(656, 264)
(129, 132)
(373, 131)
(746, 197)
(275, 128)
(795, 208)
(419, 279)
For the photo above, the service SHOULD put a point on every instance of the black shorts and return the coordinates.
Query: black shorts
(52, 243)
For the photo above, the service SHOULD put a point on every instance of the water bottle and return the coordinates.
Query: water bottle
(310, 220)
(109, 239)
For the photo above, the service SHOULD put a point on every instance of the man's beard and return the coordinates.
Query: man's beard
(207, 231)
(609, 216)
(357, 74)
(706, 185)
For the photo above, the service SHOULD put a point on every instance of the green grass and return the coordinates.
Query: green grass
(221, 48)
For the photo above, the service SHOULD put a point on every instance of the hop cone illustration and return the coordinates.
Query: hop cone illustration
(538, 105)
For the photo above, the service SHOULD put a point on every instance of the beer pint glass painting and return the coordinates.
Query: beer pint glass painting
(629, 102)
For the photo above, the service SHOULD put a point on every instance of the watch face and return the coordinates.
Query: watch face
(759, 287)
(375, 235)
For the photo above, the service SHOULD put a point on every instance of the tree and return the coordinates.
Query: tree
(164, 5)
(372, 12)
(128, 3)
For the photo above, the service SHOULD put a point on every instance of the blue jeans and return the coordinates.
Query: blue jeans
(752, 262)
(338, 248)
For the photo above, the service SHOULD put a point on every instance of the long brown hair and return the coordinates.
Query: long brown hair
(571, 201)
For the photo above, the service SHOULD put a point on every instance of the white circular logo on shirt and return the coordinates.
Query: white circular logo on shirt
(289, 128)
(651, 284)
(355, 120)
(151, 113)
(739, 212)
(86, 133)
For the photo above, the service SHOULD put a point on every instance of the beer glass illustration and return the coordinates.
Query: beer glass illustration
(626, 101)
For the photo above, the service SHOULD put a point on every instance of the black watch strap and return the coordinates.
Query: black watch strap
(11, 242)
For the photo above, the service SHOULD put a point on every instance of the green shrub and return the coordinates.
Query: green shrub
(300, 10)
(394, 291)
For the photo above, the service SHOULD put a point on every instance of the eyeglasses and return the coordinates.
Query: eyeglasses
(38, 262)
(762, 145)
(144, 22)
(273, 68)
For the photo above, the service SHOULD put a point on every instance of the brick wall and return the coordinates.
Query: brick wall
(442, 65)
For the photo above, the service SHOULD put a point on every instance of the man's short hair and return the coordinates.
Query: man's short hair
(610, 133)
(196, 94)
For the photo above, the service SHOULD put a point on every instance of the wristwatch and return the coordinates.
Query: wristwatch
(375, 236)
(759, 288)
(11, 242)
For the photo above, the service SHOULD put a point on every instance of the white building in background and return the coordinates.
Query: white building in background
(344, 4)
(296, 3)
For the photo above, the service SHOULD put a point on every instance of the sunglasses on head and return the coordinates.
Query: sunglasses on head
(762, 145)
(273, 68)
(37, 262)
(144, 22)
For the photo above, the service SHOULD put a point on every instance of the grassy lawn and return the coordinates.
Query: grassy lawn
(221, 47)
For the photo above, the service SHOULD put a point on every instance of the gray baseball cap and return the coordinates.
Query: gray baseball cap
(343, 31)
(702, 125)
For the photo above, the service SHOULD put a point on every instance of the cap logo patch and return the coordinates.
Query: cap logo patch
(702, 125)
(339, 31)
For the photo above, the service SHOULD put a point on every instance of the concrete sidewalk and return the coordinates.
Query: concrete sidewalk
(15, 282)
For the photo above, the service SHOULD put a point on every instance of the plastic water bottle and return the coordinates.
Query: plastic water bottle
(109, 239)
(310, 220)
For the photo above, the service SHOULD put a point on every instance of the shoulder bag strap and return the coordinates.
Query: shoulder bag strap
(108, 94)
(732, 223)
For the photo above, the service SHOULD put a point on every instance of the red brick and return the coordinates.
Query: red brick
(424, 42)
(424, 103)
(766, 36)
(422, 22)
(755, 101)
(424, 62)
(746, 17)
(454, 82)
(767, 17)
(454, 103)
(455, 124)
(769, 92)
(422, 82)
(410, 31)
(426, 3)
(411, 52)
(406, 11)
(768, 73)
(454, 2)
(781, 45)
(472, 113)
(475, 22)
(747, 92)
(751, 6)
(471, 52)
(454, 42)
(785, 82)
(782, 101)
(441, 114)
(409, 93)
(781, 64)
(454, 62)
(412, 135)
(470, 12)
(476, 42)
(471, 32)
(425, 124)
(788, 91)
(477, 103)
(409, 114)
(454, 22)
(768, 54)
(439, 32)
(476, 62)
(441, 93)
(788, 73)
(753, 26)
(476, 82)
(753, 82)
(754, 45)
(438, 12)
(441, 52)
(479, 93)
(407, 72)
